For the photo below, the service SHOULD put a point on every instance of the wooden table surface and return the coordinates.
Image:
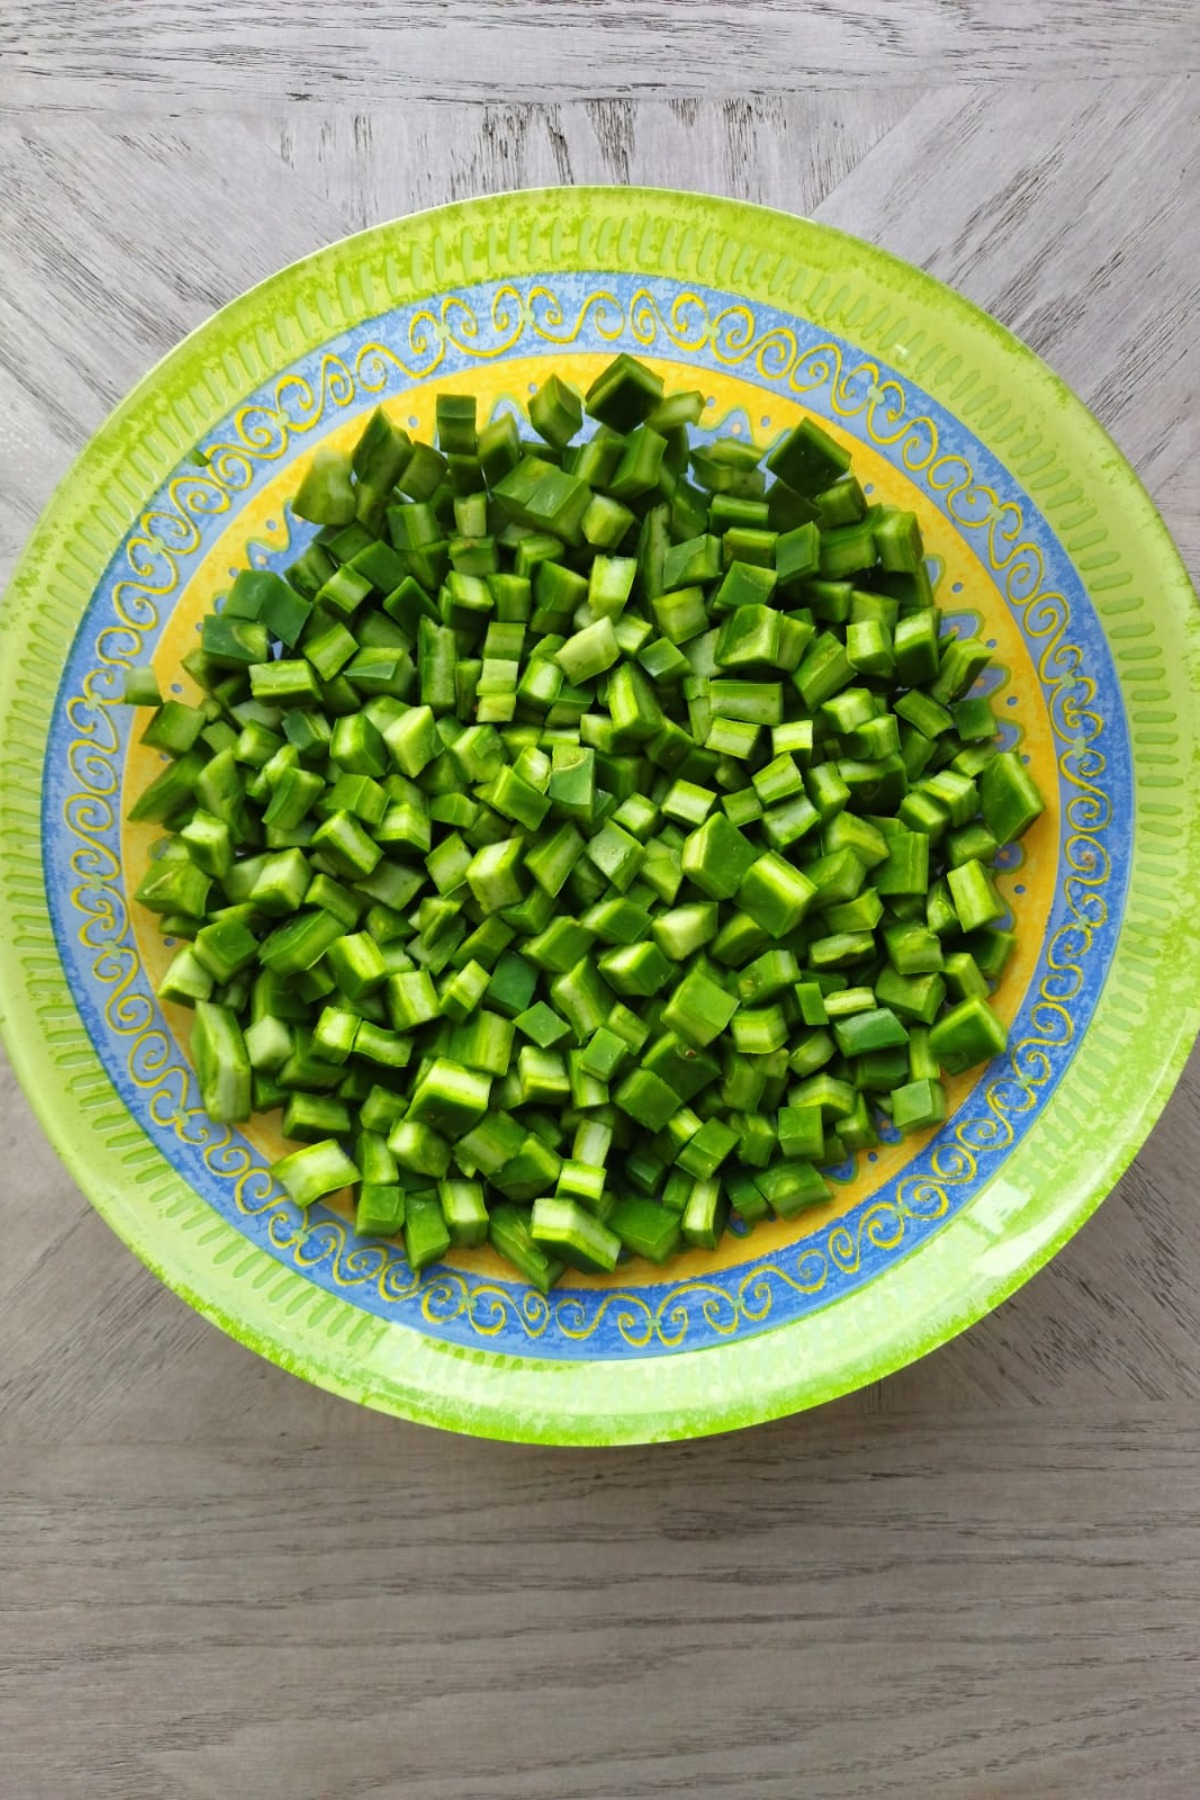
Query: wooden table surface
(980, 1578)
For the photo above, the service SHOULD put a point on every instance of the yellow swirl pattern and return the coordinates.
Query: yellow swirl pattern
(260, 434)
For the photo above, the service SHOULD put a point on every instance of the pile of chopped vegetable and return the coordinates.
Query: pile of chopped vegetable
(588, 838)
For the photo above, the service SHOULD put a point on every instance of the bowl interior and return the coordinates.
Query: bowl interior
(997, 567)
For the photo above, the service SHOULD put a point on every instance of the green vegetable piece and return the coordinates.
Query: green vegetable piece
(623, 394)
(556, 411)
(774, 894)
(869, 648)
(328, 894)
(315, 1171)
(808, 460)
(716, 857)
(685, 929)
(590, 652)
(510, 1237)
(699, 1009)
(646, 1098)
(824, 670)
(186, 980)
(842, 502)
(379, 459)
(962, 660)
(974, 895)
(1010, 797)
(449, 1097)
(616, 854)
(604, 1054)
(645, 1229)
(792, 1187)
(141, 687)
(222, 1064)
(964, 978)
(847, 549)
(174, 728)
(969, 1033)
(811, 1002)
(813, 1052)
(916, 997)
(174, 886)
(749, 635)
(233, 643)
(326, 493)
(209, 843)
(758, 1031)
(918, 1105)
(841, 1002)
(635, 712)
(422, 474)
(786, 824)
(686, 1069)
(798, 554)
(681, 614)
(464, 1210)
(494, 876)
(543, 1025)
(906, 870)
(565, 1229)
(418, 1148)
(170, 791)
(309, 1118)
(412, 740)
(225, 947)
(878, 1029)
(704, 1153)
(309, 572)
(296, 946)
(532, 1171)
(456, 430)
(618, 921)
(913, 949)
(746, 584)
(992, 949)
(705, 1214)
(426, 1233)
(346, 845)
(898, 540)
(499, 448)
(840, 949)
(738, 940)
(635, 969)
(801, 1133)
(380, 1209)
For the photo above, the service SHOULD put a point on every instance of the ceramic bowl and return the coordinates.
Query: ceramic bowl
(1039, 536)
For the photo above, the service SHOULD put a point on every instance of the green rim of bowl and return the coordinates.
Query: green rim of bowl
(1147, 1014)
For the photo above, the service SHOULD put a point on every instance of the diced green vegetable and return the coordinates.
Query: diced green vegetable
(579, 842)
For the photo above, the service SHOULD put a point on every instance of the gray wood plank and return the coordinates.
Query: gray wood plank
(141, 53)
(978, 1580)
(1092, 256)
(949, 1606)
(787, 150)
(119, 243)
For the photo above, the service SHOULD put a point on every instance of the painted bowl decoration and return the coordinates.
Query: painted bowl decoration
(1039, 538)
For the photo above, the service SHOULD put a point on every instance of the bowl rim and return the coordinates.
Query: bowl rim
(1148, 1013)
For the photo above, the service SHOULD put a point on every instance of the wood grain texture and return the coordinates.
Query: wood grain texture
(72, 53)
(979, 1580)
